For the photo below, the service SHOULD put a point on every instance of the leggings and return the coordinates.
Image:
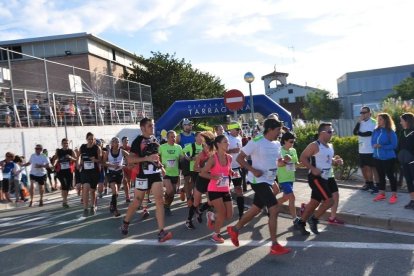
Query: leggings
(386, 168)
(409, 176)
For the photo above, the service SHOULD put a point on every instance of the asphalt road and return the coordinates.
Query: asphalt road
(53, 241)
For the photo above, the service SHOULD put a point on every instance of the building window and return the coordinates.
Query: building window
(18, 55)
(300, 99)
(290, 91)
(113, 55)
(284, 100)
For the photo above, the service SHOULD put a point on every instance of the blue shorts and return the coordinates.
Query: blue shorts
(287, 187)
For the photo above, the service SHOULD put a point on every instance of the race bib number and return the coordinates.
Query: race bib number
(64, 165)
(326, 173)
(141, 184)
(224, 182)
(88, 165)
(271, 174)
(171, 163)
(290, 167)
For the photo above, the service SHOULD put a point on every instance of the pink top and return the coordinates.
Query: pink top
(222, 185)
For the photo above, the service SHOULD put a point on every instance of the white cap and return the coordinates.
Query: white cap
(186, 122)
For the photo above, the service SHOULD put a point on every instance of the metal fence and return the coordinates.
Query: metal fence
(39, 92)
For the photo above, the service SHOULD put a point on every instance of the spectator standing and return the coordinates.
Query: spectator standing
(35, 112)
(406, 153)
(363, 129)
(384, 142)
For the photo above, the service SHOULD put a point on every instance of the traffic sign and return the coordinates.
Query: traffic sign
(234, 99)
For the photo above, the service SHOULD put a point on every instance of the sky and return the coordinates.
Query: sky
(315, 42)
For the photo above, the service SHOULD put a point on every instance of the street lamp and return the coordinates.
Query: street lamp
(249, 78)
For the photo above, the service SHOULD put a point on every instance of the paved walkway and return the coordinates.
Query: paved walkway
(356, 207)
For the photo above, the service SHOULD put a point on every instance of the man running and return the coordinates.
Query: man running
(318, 157)
(235, 144)
(264, 152)
(65, 159)
(127, 170)
(186, 137)
(170, 154)
(146, 176)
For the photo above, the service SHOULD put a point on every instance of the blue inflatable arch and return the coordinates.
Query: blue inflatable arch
(215, 107)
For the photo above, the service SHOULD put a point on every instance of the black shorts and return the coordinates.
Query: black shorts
(320, 188)
(366, 159)
(184, 165)
(77, 177)
(333, 186)
(237, 182)
(263, 195)
(226, 196)
(194, 176)
(173, 179)
(65, 178)
(6, 185)
(41, 180)
(114, 177)
(202, 184)
(90, 177)
(151, 178)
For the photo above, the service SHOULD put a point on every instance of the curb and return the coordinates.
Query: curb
(400, 225)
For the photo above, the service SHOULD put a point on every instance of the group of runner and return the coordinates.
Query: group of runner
(210, 163)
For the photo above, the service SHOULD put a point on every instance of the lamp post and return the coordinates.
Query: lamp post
(249, 78)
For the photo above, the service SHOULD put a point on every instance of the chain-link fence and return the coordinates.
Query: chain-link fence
(39, 92)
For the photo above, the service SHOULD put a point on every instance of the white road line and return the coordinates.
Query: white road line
(173, 242)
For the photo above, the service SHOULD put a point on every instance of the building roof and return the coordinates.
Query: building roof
(282, 87)
(275, 74)
(65, 36)
(378, 71)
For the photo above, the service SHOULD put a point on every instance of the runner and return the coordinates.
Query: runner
(286, 171)
(264, 152)
(114, 160)
(90, 159)
(201, 183)
(183, 139)
(170, 154)
(318, 157)
(38, 173)
(64, 163)
(146, 176)
(127, 171)
(235, 144)
(218, 170)
(190, 152)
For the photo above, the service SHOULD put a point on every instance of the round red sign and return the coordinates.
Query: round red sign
(234, 99)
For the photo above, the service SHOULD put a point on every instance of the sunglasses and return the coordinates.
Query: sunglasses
(329, 131)
(363, 112)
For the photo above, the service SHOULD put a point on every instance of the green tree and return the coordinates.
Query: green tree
(320, 106)
(173, 79)
(404, 90)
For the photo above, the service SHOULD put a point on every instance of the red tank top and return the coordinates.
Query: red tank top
(222, 185)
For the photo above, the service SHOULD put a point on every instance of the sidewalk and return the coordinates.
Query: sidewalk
(357, 208)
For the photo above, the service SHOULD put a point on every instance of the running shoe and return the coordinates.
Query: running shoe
(335, 221)
(40, 203)
(277, 249)
(164, 236)
(93, 210)
(300, 226)
(116, 213)
(313, 224)
(380, 197)
(127, 200)
(189, 224)
(182, 195)
(374, 189)
(85, 213)
(393, 199)
(111, 208)
(124, 227)
(410, 205)
(217, 238)
(145, 214)
(65, 205)
(167, 211)
(234, 235)
(199, 216)
(210, 220)
(366, 187)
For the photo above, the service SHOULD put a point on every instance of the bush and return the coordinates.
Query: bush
(346, 147)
